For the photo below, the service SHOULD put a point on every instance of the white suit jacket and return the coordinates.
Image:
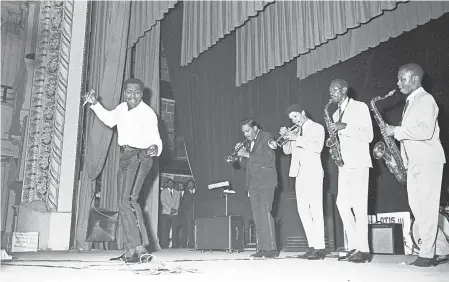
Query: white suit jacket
(358, 134)
(419, 132)
(306, 150)
(169, 201)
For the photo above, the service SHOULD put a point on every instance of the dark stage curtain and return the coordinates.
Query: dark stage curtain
(210, 106)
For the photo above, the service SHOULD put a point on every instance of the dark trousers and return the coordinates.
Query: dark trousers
(261, 203)
(190, 224)
(134, 167)
(180, 226)
(167, 222)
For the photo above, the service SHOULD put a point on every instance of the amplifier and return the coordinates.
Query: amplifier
(386, 238)
(220, 233)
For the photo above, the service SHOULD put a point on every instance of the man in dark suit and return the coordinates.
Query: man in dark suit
(187, 206)
(261, 181)
(179, 222)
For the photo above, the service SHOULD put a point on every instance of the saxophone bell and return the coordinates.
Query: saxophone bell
(387, 149)
(379, 150)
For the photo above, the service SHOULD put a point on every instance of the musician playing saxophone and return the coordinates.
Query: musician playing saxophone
(305, 146)
(424, 158)
(352, 122)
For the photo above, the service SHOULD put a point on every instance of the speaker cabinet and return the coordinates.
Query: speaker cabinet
(220, 233)
(386, 238)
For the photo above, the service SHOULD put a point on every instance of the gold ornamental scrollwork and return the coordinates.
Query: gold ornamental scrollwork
(44, 143)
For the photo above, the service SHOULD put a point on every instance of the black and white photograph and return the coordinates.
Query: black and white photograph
(232, 140)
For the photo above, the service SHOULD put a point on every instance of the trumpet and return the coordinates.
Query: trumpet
(273, 144)
(233, 156)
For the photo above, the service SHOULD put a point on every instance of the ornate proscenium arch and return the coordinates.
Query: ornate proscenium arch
(48, 102)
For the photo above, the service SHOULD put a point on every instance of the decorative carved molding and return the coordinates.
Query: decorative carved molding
(45, 133)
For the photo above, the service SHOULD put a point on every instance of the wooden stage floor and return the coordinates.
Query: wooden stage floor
(176, 264)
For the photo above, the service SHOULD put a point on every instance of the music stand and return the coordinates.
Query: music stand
(227, 189)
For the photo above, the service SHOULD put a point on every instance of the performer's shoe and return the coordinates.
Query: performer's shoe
(307, 254)
(270, 254)
(317, 254)
(424, 262)
(257, 254)
(360, 257)
(122, 257)
(135, 258)
(347, 255)
(440, 259)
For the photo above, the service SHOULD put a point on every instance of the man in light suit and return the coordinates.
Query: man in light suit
(170, 199)
(424, 158)
(353, 123)
(305, 146)
(261, 180)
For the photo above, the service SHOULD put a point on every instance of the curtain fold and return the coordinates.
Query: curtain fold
(391, 24)
(107, 58)
(147, 70)
(206, 22)
(144, 15)
(287, 29)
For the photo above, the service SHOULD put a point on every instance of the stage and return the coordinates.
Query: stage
(190, 265)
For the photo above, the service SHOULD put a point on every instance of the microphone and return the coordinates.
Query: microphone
(87, 96)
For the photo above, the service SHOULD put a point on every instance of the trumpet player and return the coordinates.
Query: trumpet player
(352, 122)
(260, 181)
(305, 146)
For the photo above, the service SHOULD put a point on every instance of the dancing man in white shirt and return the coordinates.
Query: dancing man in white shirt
(352, 122)
(305, 146)
(140, 142)
(424, 158)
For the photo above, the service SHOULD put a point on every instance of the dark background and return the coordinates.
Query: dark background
(210, 107)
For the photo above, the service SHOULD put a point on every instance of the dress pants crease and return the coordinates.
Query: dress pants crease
(261, 203)
(133, 168)
(352, 203)
(309, 199)
(424, 188)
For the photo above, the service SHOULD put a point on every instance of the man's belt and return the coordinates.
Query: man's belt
(127, 148)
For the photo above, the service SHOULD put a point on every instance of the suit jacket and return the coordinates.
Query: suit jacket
(169, 202)
(186, 204)
(306, 150)
(419, 132)
(261, 165)
(355, 138)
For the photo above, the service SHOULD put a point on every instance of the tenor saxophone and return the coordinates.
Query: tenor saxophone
(332, 142)
(388, 150)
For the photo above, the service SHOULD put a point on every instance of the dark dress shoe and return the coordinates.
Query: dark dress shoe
(307, 254)
(347, 256)
(424, 262)
(135, 258)
(441, 259)
(360, 257)
(270, 254)
(122, 257)
(257, 254)
(317, 254)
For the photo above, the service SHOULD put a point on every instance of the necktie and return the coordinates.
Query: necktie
(340, 112)
(405, 109)
(252, 145)
(171, 192)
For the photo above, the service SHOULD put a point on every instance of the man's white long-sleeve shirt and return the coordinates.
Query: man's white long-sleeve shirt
(137, 127)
